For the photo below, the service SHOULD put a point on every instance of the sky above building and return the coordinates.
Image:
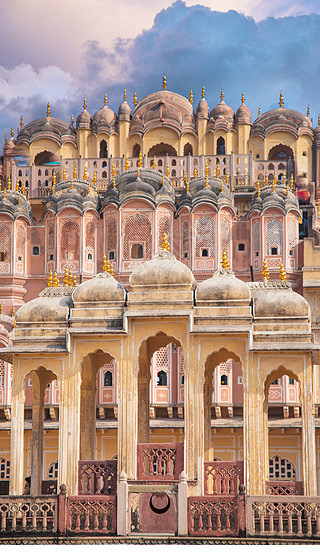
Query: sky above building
(64, 51)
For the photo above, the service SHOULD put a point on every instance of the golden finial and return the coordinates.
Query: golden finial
(71, 119)
(104, 263)
(154, 164)
(71, 187)
(21, 122)
(48, 110)
(69, 277)
(242, 99)
(319, 120)
(114, 182)
(165, 242)
(221, 95)
(0, 185)
(164, 82)
(202, 92)
(6, 136)
(23, 189)
(55, 280)
(113, 172)
(206, 170)
(53, 190)
(89, 189)
(14, 323)
(191, 97)
(105, 99)
(95, 177)
(318, 211)
(259, 111)
(19, 199)
(195, 173)
(64, 174)
(281, 103)
(207, 180)
(4, 193)
(85, 175)
(85, 104)
(17, 185)
(283, 276)
(12, 312)
(28, 195)
(74, 172)
(124, 94)
(138, 172)
(140, 159)
(167, 170)
(221, 185)
(232, 188)
(173, 183)
(287, 188)
(126, 164)
(162, 180)
(65, 276)
(266, 180)
(274, 182)
(227, 178)
(135, 100)
(74, 281)
(258, 188)
(218, 169)
(12, 132)
(283, 179)
(54, 177)
(291, 181)
(225, 261)
(308, 111)
(265, 271)
(1, 308)
(108, 266)
(111, 269)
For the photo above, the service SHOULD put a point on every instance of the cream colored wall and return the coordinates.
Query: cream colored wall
(161, 135)
(44, 145)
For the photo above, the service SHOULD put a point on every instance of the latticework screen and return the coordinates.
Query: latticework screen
(225, 235)
(5, 241)
(137, 229)
(274, 236)
(70, 241)
(205, 237)
(90, 234)
(50, 239)
(185, 238)
(164, 225)
(111, 235)
(256, 237)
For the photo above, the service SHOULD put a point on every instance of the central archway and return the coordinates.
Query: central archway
(161, 149)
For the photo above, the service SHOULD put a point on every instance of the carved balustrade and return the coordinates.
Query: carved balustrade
(223, 477)
(284, 488)
(214, 516)
(97, 477)
(292, 516)
(160, 462)
(92, 514)
(21, 514)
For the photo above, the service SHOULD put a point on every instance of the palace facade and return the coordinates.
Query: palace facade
(159, 289)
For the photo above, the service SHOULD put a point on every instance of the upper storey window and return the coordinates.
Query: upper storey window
(221, 146)
(274, 237)
(137, 251)
(70, 241)
(103, 149)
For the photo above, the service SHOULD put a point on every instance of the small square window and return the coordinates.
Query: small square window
(241, 247)
(274, 250)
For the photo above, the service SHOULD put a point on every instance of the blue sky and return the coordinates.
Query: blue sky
(69, 50)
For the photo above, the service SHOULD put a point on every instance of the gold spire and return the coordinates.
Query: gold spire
(4, 193)
(227, 178)
(23, 189)
(206, 170)
(71, 119)
(74, 281)
(242, 99)
(221, 185)
(259, 111)
(111, 269)
(12, 312)
(265, 271)
(104, 263)
(283, 179)
(64, 174)
(154, 164)
(319, 120)
(195, 173)
(124, 94)
(89, 189)
(53, 189)
(74, 172)
(221, 95)
(207, 180)
(140, 159)
(165, 242)
(54, 177)
(28, 195)
(114, 182)
(225, 261)
(12, 131)
(283, 276)
(287, 188)
(69, 277)
(274, 182)
(48, 110)
(135, 100)
(1, 308)
(55, 280)
(266, 180)
(113, 172)
(71, 187)
(105, 99)
(191, 97)
(291, 181)
(95, 177)
(21, 122)
(202, 92)
(167, 170)
(108, 266)
(126, 164)
(162, 180)
(308, 111)
(258, 188)
(218, 169)
(65, 276)
(164, 82)
(17, 185)
(281, 103)
(6, 137)
(85, 104)
(9, 182)
(85, 175)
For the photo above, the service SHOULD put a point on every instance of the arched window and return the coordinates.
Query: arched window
(5, 243)
(35, 250)
(274, 237)
(205, 239)
(136, 150)
(104, 164)
(173, 162)
(70, 241)
(104, 174)
(204, 253)
(4, 469)
(188, 149)
(20, 173)
(103, 149)
(162, 378)
(281, 469)
(182, 380)
(221, 146)
(107, 379)
(46, 172)
(224, 380)
(53, 470)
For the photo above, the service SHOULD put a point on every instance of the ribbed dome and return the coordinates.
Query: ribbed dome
(102, 288)
(203, 109)
(222, 286)
(162, 272)
(221, 110)
(104, 116)
(44, 309)
(124, 111)
(243, 115)
(84, 119)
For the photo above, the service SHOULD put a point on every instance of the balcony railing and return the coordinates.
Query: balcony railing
(160, 462)
(223, 477)
(21, 514)
(97, 477)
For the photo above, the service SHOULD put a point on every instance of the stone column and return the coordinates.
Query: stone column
(38, 389)
(308, 433)
(88, 411)
(194, 419)
(183, 505)
(17, 437)
(128, 415)
(69, 431)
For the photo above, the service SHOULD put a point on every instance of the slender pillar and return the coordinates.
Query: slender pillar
(38, 388)
(128, 415)
(17, 437)
(308, 433)
(194, 419)
(88, 411)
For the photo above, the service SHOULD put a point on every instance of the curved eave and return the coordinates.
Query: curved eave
(134, 131)
(183, 206)
(107, 202)
(167, 124)
(226, 204)
(43, 135)
(281, 128)
(189, 130)
(305, 131)
(164, 200)
(138, 195)
(69, 139)
(273, 207)
(14, 214)
(196, 202)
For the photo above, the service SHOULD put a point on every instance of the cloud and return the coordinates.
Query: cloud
(194, 46)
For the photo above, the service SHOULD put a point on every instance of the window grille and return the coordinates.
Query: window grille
(53, 470)
(274, 236)
(281, 468)
(90, 235)
(4, 469)
(5, 242)
(137, 229)
(185, 238)
(205, 236)
(111, 235)
(256, 236)
(225, 235)
(50, 239)
(164, 225)
(291, 235)
(70, 241)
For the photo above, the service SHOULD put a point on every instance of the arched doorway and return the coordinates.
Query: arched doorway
(136, 150)
(45, 157)
(187, 149)
(280, 152)
(103, 149)
(161, 149)
(221, 146)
